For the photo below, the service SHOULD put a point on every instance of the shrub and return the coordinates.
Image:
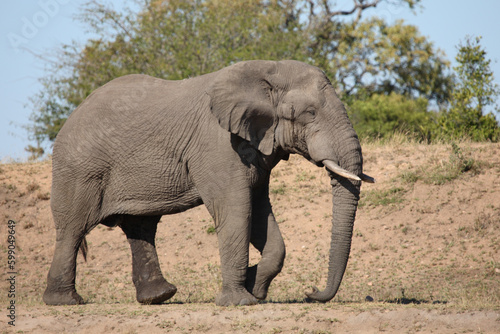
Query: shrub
(381, 116)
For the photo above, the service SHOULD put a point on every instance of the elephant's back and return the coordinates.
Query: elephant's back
(126, 111)
(125, 98)
(135, 120)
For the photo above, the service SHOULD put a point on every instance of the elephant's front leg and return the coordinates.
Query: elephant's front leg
(233, 231)
(151, 286)
(266, 237)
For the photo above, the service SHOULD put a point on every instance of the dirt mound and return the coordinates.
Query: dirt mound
(425, 249)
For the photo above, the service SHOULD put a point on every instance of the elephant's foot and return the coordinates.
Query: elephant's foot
(257, 284)
(62, 297)
(240, 297)
(155, 291)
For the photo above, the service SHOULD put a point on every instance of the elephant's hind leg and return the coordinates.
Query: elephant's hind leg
(151, 286)
(61, 278)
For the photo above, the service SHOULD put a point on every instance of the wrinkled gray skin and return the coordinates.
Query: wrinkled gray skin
(140, 147)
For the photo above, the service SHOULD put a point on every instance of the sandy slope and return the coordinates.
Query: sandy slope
(418, 240)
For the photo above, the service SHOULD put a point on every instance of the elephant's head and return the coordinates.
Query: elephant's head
(291, 107)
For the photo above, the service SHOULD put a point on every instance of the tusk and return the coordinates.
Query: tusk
(367, 178)
(333, 167)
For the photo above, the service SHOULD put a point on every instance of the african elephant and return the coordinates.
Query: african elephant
(141, 147)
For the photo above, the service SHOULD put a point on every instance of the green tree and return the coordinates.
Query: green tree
(474, 92)
(371, 56)
(176, 39)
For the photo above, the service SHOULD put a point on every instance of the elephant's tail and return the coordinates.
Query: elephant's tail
(84, 248)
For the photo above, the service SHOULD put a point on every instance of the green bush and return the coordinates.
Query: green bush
(381, 116)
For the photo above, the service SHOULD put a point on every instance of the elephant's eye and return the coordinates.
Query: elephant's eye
(311, 111)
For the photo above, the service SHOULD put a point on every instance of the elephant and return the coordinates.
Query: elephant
(141, 147)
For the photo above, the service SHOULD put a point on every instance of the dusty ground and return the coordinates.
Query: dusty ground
(425, 248)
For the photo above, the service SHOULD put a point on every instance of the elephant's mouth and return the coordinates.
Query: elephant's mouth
(335, 168)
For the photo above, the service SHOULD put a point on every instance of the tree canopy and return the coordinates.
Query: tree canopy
(177, 39)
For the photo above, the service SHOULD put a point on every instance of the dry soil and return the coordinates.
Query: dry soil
(425, 249)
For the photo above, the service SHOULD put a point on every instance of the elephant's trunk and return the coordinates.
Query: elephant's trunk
(345, 201)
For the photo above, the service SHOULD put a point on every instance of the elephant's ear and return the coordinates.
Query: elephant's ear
(242, 101)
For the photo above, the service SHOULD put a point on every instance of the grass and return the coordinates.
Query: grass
(304, 177)
(439, 172)
(382, 197)
(410, 177)
(457, 164)
(279, 189)
(44, 196)
(32, 187)
(396, 139)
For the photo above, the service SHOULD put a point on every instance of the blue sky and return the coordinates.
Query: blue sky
(38, 26)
